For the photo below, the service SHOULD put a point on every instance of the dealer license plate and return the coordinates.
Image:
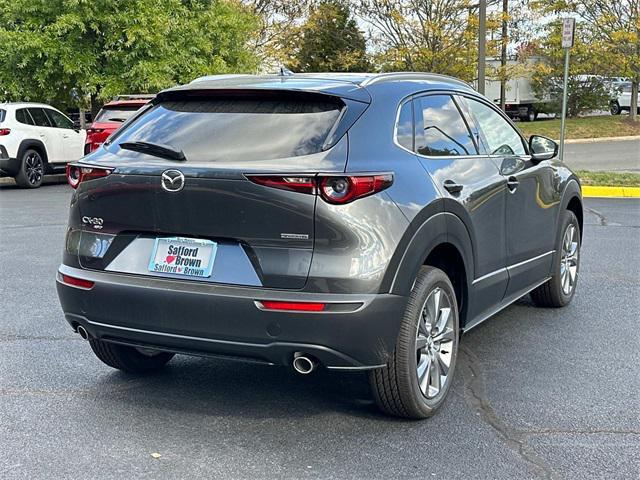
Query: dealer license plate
(191, 257)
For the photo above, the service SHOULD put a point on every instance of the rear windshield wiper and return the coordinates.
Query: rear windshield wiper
(155, 149)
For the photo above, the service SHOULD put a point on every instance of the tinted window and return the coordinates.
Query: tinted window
(443, 129)
(58, 120)
(496, 132)
(23, 116)
(241, 129)
(39, 117)
(3, 113)
(118, 114)
(404, 128)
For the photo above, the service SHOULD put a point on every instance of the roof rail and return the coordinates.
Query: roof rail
(134, 96)
(384, 77)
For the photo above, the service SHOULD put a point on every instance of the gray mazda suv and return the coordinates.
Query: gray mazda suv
(356, 222)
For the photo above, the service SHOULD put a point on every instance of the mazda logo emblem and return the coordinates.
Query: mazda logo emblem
(172, 180)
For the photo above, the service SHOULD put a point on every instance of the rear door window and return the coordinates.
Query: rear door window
(3, 114)
(440, 128)
(237, 129)
(39, 117)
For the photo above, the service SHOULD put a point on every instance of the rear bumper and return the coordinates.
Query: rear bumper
(9, 166)
(356, 331)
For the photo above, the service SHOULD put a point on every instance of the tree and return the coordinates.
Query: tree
(329, 41)
(586, 91)
(100, 49)
(614, 24)
(277, 22)
(425, 35)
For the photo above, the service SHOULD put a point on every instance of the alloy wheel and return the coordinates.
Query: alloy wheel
(569, 259)
(33, 168)
(435, 338)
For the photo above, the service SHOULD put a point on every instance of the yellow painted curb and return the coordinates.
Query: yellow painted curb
(599, 191)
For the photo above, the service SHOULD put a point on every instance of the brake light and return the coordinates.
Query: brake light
(292, 306)
(77, 174)
(333, 189)
(77, 282)
(4, 131)
(294, 184)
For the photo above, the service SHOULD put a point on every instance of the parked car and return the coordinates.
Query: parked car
(622, 101)
(358, 222)
(36, 139)
(111, 117)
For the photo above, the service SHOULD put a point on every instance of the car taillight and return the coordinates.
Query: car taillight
(333, 189)
(77, 174)
(295, 184)
(5, 131)
(340, 190)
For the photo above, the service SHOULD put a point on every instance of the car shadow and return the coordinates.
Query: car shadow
(207, 386)
(8, 183)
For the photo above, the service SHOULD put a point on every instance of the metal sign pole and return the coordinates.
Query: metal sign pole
(568, 34)
(564, 103)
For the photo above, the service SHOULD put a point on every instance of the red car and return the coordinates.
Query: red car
(111, 116)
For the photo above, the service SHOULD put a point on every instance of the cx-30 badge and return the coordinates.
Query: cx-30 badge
(172, 180)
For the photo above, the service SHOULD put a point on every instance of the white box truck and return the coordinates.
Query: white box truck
(521, 101)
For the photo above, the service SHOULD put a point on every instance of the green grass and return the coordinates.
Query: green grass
(609, 179)
(583, 127)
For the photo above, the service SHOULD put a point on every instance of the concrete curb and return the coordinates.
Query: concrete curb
(601, 139)
(601, 191)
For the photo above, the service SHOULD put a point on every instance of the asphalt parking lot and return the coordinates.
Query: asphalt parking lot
(538, 393)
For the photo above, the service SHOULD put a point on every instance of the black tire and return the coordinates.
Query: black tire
(396, 387)
(31, 170)
(552, 294)
(129, 359)
(614, 108)
(530, 116)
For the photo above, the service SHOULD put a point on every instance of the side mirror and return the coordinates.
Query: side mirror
(542, 148)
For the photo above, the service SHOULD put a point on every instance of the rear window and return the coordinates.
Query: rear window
(237, 129)
(117, 114)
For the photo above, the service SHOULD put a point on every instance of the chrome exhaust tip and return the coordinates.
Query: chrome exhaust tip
(302, 364)
(82, 332)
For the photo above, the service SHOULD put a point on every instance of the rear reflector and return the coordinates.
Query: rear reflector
(77, 282)
(5, 131)
(292, 306)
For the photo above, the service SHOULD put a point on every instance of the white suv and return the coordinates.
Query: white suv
(622, 102)
(36, 139)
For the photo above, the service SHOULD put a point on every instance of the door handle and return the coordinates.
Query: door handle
(512, 184)
(452, 187)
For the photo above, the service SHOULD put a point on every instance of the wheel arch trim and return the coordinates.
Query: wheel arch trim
(33, 143)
